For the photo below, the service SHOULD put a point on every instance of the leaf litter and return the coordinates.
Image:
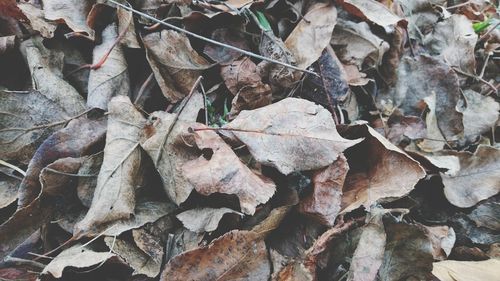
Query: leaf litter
(261, 140)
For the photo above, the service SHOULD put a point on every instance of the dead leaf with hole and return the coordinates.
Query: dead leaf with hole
(219, 170)
(355, 44)
(175, 64)
(325, 200)
(134, 257)
(477, 179)
(73, 13)
(375, 12)
(76, 140)
(290, 135)
(237, 255)
(380, 171)
(467, 270)
(454, 40)
(204, 219)
(111, 79)
(114, 196)
(169, 152)
(77, 256)
(312, 34)
(243, 81)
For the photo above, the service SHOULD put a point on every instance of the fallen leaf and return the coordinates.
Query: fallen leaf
(150, 244)
(487, 215)
(114, 196)
(77, 256)
(312, 34)
(126, 21)
(226, 258)
(203, 219)
(401, 127)
(273, 47)
(37, 20)
(175, 64)
(87, 180)
(9, 184)
(111, 79)
(9, 8)
(227, 36)
(442, 240)
(434, 141)
(7, 43)
(373, 11)
(16, 273)
(290, 135)
(380, 171)
(480, 113)
(355, 44)
(454, 40)
(221, 171)
(73, 13)
(477, 179)
(467, 270)
(324, 202)
(466, 230)
(134, 257)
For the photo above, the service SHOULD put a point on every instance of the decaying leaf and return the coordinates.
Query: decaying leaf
(111, 79)
(325, 200)
(487, 215)
(401, 127)
(380, 171)
(434, 140)
(37, 20)
(228, 36)
(87, 181)
(477, 179)
(73, 13)
(219, 170)
(77, 256)
(480, 113)
(9, 183)
(312, 34)
(374, 11)
(467, 270)
(203, 219)
(114, 196)
(273, 47)
(237, 255)
(175, 64)
(126, 21)
(442, 239)
(290, 135)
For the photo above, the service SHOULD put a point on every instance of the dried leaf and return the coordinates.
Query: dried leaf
(76, 256)
(273, 47)
(175, 64)
(134, 257)
(355, 44)
(228, 36)
(9, 8)
(9, 183)
(7, 43)
(374, 11)
(290, 135)
(126, 21)
(442, 239)
(203, 219)
(487, 215)
(87, 181)
(467, 270)
(37, 20)
(226, 258)
(401, 127)
(221, 171)
(324, 202)
(477, 179)
(114, 196)
(434, 141)
(480, 113)
(111, 79)
(312, 34)
(73, 13)
(380, 171)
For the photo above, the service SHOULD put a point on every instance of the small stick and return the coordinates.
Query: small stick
(475, 77)
(143, 87)
(15, 168)
(250, 54)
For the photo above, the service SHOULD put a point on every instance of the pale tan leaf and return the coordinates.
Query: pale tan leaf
(442, 238)
(126, 21)
(73, 13)
(311, 36)
(290, 135)
(37, 19)
(374, 11)
(111, 79)
(467, 270)
(203, 219)
(480, 113)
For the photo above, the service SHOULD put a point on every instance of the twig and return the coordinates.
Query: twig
(143, 87)
(176, 28)
(169, 130)
(484, 65)
(15, 168)
(72, 239)
(458, 5)
(19, 261)
(475, 77)
(204, 94)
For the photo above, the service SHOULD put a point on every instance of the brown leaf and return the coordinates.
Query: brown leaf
(380, 171)
(226, 258)
(373, 11)
(175, 64)
(9, 8)
(401, 127)
(111, 79)
(477, 179)
(273, 47)
(76, 140)
(312, 34)
(114, 196)
(290, 135)
(442, 240)
(454, 40)
(134, 257)
(220, 170)
(87, 181)
(73, 13)
(434, 141)
(77, 256)
(467, 270)
(169, 153)
(324, 202)
(126, 21)
(203, 219)
(355, 44)
(16, 273)
(228, 36)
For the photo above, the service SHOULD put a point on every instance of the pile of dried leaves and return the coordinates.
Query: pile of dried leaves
(132, 150)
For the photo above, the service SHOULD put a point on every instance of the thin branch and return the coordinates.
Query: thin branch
(15, 168)
(143, 87)
(457, 70)
(176, 28)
